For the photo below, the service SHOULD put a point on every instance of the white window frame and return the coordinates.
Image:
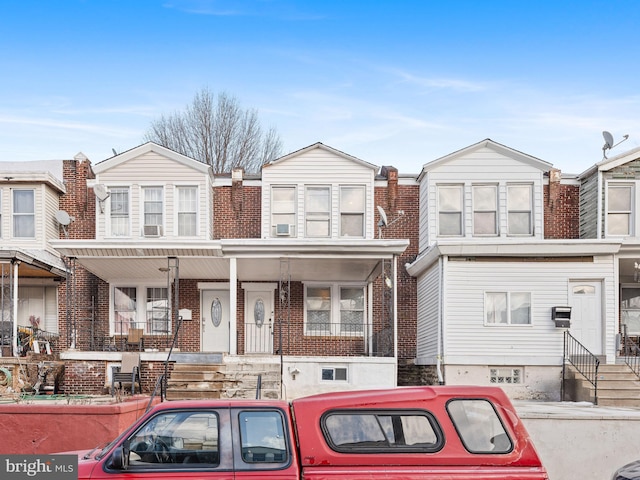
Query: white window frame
(15, 215)
(144, 203)
(628, 212)
(334, 369)
(141, 320)
(335, 309)
(317, 216)
(515, 211)
(346, 212)
(478, 210)
(113, 192)
(44, 307)
(180, 212)
(508, 308)
(289, 212)
(441, 212)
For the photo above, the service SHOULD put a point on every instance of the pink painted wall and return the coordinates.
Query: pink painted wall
(42, 428)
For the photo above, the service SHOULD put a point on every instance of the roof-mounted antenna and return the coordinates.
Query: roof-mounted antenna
(608, 143)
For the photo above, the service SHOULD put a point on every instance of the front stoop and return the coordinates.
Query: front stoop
(191, 381)
(618, 386)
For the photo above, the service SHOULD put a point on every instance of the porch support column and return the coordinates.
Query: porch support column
(15, 309)
(394, 269)
(233, 306)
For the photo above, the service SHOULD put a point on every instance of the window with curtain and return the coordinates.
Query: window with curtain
(283, 210)
(125, 310)
(520, 209)
(352, 310)
(619, 209)
(450, 205)
(187, 211)
(324, 303)
(485, 210)
(317, 211)
(38, 307)
(119, 211)
(508, 308)
(352, 210)
(158, 317)
(24, 214)
(153, 199)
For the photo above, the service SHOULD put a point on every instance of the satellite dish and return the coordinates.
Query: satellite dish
(63, 218)
(383, 217)
(608, 140)
(100, 192)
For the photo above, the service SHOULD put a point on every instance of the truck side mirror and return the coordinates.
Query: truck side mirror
(120, 457)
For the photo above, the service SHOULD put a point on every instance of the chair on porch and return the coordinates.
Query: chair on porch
(135, 339)
(129, 372)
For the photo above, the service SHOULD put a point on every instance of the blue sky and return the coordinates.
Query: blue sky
(392, 82)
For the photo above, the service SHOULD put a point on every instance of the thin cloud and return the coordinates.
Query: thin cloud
(62, 125)
(259, 8)
(441, 83)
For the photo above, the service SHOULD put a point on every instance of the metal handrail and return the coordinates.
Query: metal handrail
(585, 362)
(159, 384)
(631, 352)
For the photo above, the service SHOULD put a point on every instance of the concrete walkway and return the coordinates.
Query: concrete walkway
(581, 440)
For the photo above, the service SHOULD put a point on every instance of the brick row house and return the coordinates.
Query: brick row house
(333, 272)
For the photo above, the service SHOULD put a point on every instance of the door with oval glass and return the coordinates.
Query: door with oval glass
(215, 321)
(259, 322)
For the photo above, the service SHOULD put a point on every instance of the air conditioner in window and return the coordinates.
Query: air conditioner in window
(283, 229)
(152, 230)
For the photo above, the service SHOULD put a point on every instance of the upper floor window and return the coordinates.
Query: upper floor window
(119, 212)
(508, 308)
(352, 208)
(152, 215)
(187, 211)
(317, 206)
(450, 210)
(324, 303)
(485, 210)
(283, 211)
(619, 202)
(24, 214)
(520, 208)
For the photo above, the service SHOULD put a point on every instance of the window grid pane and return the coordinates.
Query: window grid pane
(619, 200)
(187, 211)
(119, 201)
(352, 210)
(24, 220)
(317, 211)
(485, 210)
(124, 308)
(450, 210)
(519, 201)
(158, 319)
(152, 205)
(283, 204)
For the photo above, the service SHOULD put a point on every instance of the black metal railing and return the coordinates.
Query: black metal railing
(631, 351)
(161, 385)
(585, 362)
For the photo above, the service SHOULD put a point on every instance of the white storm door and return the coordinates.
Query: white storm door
(258, 326)
(585, 299)
(215, 320)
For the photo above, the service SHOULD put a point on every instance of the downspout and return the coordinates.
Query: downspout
(440, 327)
(599, 206)
(233, 306)
(394, 269)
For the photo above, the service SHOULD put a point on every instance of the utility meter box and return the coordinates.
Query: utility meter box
(561, 316)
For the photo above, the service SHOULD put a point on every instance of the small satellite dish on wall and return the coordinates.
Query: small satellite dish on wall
(101, 194)
(383, 217)
(608, 142)
(64, 219)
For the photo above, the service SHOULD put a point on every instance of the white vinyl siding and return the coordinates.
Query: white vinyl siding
(153, 170)
(322, 168)
(469, 340)
(429, 311)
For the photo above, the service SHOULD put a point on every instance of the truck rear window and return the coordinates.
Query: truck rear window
(382, 431)
(479, 426)
(263, 437)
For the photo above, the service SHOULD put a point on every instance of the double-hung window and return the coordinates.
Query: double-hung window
(152, 215)
(507, 308)
(520, 209)
(283, 211)
(485, 210)
(187, 211)
(142, 307)
(619, 209)
(24, 213)
(158, 318)
(125, 307)
(334, 310)
(317, 211)
(352, 209)
(450, 205)
(119, 211)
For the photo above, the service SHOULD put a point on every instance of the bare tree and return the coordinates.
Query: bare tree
(219, 132)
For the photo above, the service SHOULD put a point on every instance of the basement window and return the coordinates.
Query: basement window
(505, 375)
(334, 374)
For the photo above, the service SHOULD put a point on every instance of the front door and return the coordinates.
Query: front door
(215, 320)
(259, 322)
(586, 314)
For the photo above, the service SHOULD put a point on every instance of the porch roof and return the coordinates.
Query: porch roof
(34, 263)
(257, 259)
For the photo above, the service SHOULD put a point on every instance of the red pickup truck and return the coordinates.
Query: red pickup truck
(408, 433)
